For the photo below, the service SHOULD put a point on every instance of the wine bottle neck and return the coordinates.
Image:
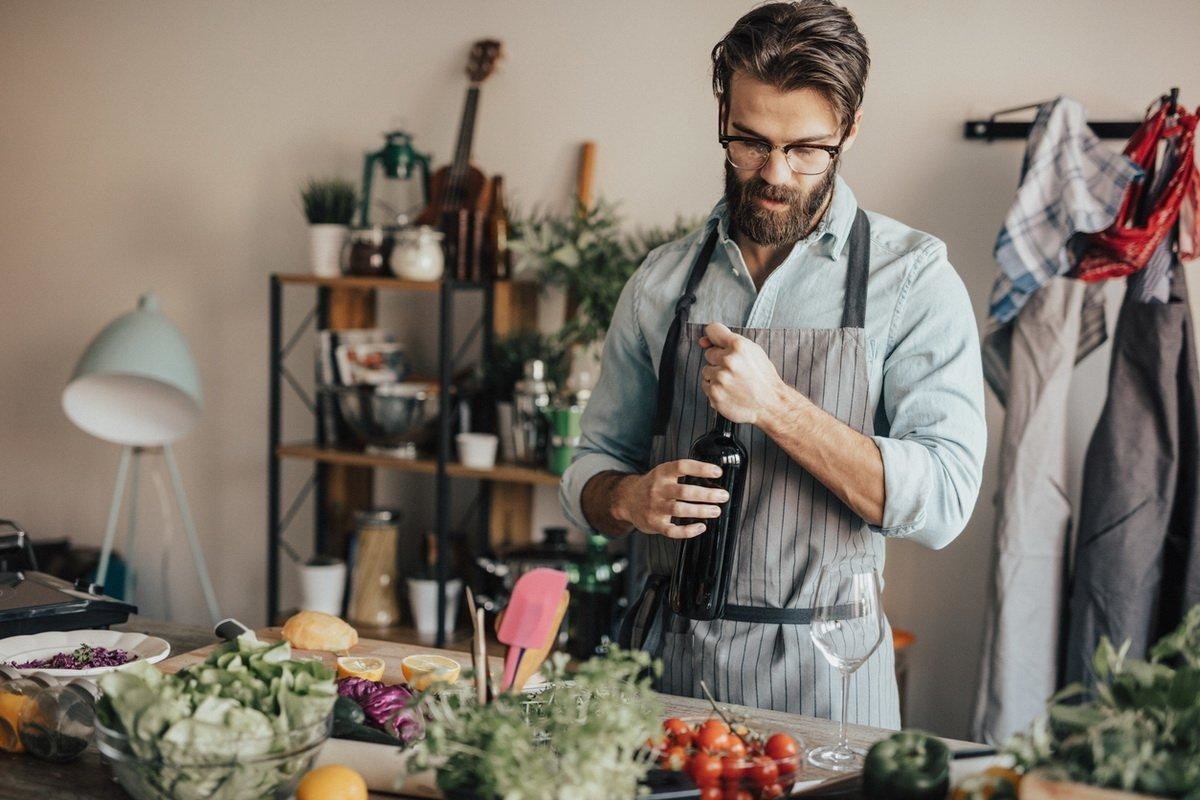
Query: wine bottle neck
(724, 426)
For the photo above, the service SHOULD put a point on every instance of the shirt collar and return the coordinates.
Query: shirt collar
(833, 229)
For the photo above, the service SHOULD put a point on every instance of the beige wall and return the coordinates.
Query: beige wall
(160, 144)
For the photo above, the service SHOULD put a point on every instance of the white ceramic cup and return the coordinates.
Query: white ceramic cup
(422, 597)
(477, 450)
(322, 587)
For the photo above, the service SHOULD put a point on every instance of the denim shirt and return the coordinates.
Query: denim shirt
(926, 384)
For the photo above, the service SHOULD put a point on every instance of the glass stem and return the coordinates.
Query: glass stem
(843, 741)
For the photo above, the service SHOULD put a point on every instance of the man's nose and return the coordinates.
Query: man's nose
(776, 171)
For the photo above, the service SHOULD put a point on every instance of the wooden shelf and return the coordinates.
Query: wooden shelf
(371, 282)
(502, 473)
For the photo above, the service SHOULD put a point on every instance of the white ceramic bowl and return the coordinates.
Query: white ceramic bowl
(20, 649)
(477, 450)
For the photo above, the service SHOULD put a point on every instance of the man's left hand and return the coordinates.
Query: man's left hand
(739, 379)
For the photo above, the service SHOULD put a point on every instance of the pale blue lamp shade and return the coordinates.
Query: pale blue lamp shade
(137, 383)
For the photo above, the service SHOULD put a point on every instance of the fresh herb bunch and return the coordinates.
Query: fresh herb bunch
(1138, 730)
(582, 738)
(587, 252)
(329, 201)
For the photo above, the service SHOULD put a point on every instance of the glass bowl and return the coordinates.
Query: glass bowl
(260, 768)
(748, 778)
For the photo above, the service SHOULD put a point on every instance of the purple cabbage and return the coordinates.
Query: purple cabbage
(388, 708)
(83, 657)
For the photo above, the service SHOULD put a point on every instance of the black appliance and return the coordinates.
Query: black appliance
(33, 602)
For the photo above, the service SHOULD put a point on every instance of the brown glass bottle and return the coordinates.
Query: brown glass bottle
(701, 577)
(496, 237)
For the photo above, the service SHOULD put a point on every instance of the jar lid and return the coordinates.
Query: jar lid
(378, 516)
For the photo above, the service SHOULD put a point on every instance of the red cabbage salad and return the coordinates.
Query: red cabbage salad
(82, 657)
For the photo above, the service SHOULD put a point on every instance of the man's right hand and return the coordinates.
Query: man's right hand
(650, 502)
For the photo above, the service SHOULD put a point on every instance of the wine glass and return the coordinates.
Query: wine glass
(847, 626)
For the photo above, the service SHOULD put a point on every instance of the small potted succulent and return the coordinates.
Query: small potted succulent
(329, 205)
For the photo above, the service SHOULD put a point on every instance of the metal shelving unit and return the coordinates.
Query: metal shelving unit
(334, 467)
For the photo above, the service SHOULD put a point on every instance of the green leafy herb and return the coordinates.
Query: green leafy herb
(581, 738)
(1138, 730)
(587, 252)
(328, 201)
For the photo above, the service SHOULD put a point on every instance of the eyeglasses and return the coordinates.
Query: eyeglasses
(745, 152)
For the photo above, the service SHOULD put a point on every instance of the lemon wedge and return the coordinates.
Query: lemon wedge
(365, 667)
(425, 669)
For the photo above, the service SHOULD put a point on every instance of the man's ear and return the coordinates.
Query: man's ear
(852, 134)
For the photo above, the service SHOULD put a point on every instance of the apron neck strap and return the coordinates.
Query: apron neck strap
(666, 364)
(854, 307)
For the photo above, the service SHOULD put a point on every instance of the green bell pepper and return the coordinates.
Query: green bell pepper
(909, 765)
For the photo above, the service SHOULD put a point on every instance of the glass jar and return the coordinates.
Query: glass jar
(373, 579)
(418, 255)
(367, 251)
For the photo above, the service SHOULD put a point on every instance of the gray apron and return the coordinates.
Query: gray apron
(1137, 558)
(759, 652)
(1022, 632)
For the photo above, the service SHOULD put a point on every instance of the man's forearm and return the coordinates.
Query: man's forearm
(845, 461)
(599, 503)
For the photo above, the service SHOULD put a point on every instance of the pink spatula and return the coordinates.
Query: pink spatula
(531, 610)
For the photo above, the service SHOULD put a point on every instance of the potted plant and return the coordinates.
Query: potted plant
(587, 252)
(329, 205)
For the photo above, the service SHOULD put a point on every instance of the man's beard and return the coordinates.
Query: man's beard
(774, 228)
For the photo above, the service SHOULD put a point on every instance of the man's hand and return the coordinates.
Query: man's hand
(648, 502)
(739, 379)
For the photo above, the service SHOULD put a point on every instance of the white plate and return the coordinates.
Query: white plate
(19, 649)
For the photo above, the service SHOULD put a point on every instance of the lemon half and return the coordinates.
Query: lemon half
(425, 669)
(367, 667)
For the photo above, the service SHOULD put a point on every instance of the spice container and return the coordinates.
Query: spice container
(367, 251)
(373, 600)
(57, 721)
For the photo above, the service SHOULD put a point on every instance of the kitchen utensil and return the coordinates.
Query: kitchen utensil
(533, 659)
(478, 648)
(531, 397)
(385, 417)
(530, 611)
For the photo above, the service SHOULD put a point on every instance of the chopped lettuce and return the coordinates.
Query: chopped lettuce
(221, 728)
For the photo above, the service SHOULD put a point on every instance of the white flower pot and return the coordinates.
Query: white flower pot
(422, 597)
(325, 243)
(322, 587)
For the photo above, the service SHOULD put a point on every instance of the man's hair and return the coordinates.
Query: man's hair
(806, 44)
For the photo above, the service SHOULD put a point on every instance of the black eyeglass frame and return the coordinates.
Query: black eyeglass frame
(834, 150)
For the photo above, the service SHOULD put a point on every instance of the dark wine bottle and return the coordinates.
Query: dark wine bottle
(701, 577)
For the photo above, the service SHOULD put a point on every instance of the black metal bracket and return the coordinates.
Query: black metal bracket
(990, 129)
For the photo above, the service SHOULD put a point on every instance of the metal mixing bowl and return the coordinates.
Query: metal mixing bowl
(387, 417)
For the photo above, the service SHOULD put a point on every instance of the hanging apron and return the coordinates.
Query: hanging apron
(1137, 557)
(759, 652)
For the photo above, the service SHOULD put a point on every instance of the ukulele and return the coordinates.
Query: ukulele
(460, 193)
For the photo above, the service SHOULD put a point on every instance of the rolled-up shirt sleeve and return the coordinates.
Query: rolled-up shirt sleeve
(932, 395)
(618, 420)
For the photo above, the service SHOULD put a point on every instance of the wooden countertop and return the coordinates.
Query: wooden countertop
(26, 778)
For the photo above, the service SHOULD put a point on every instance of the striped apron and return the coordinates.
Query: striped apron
(758, 653)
